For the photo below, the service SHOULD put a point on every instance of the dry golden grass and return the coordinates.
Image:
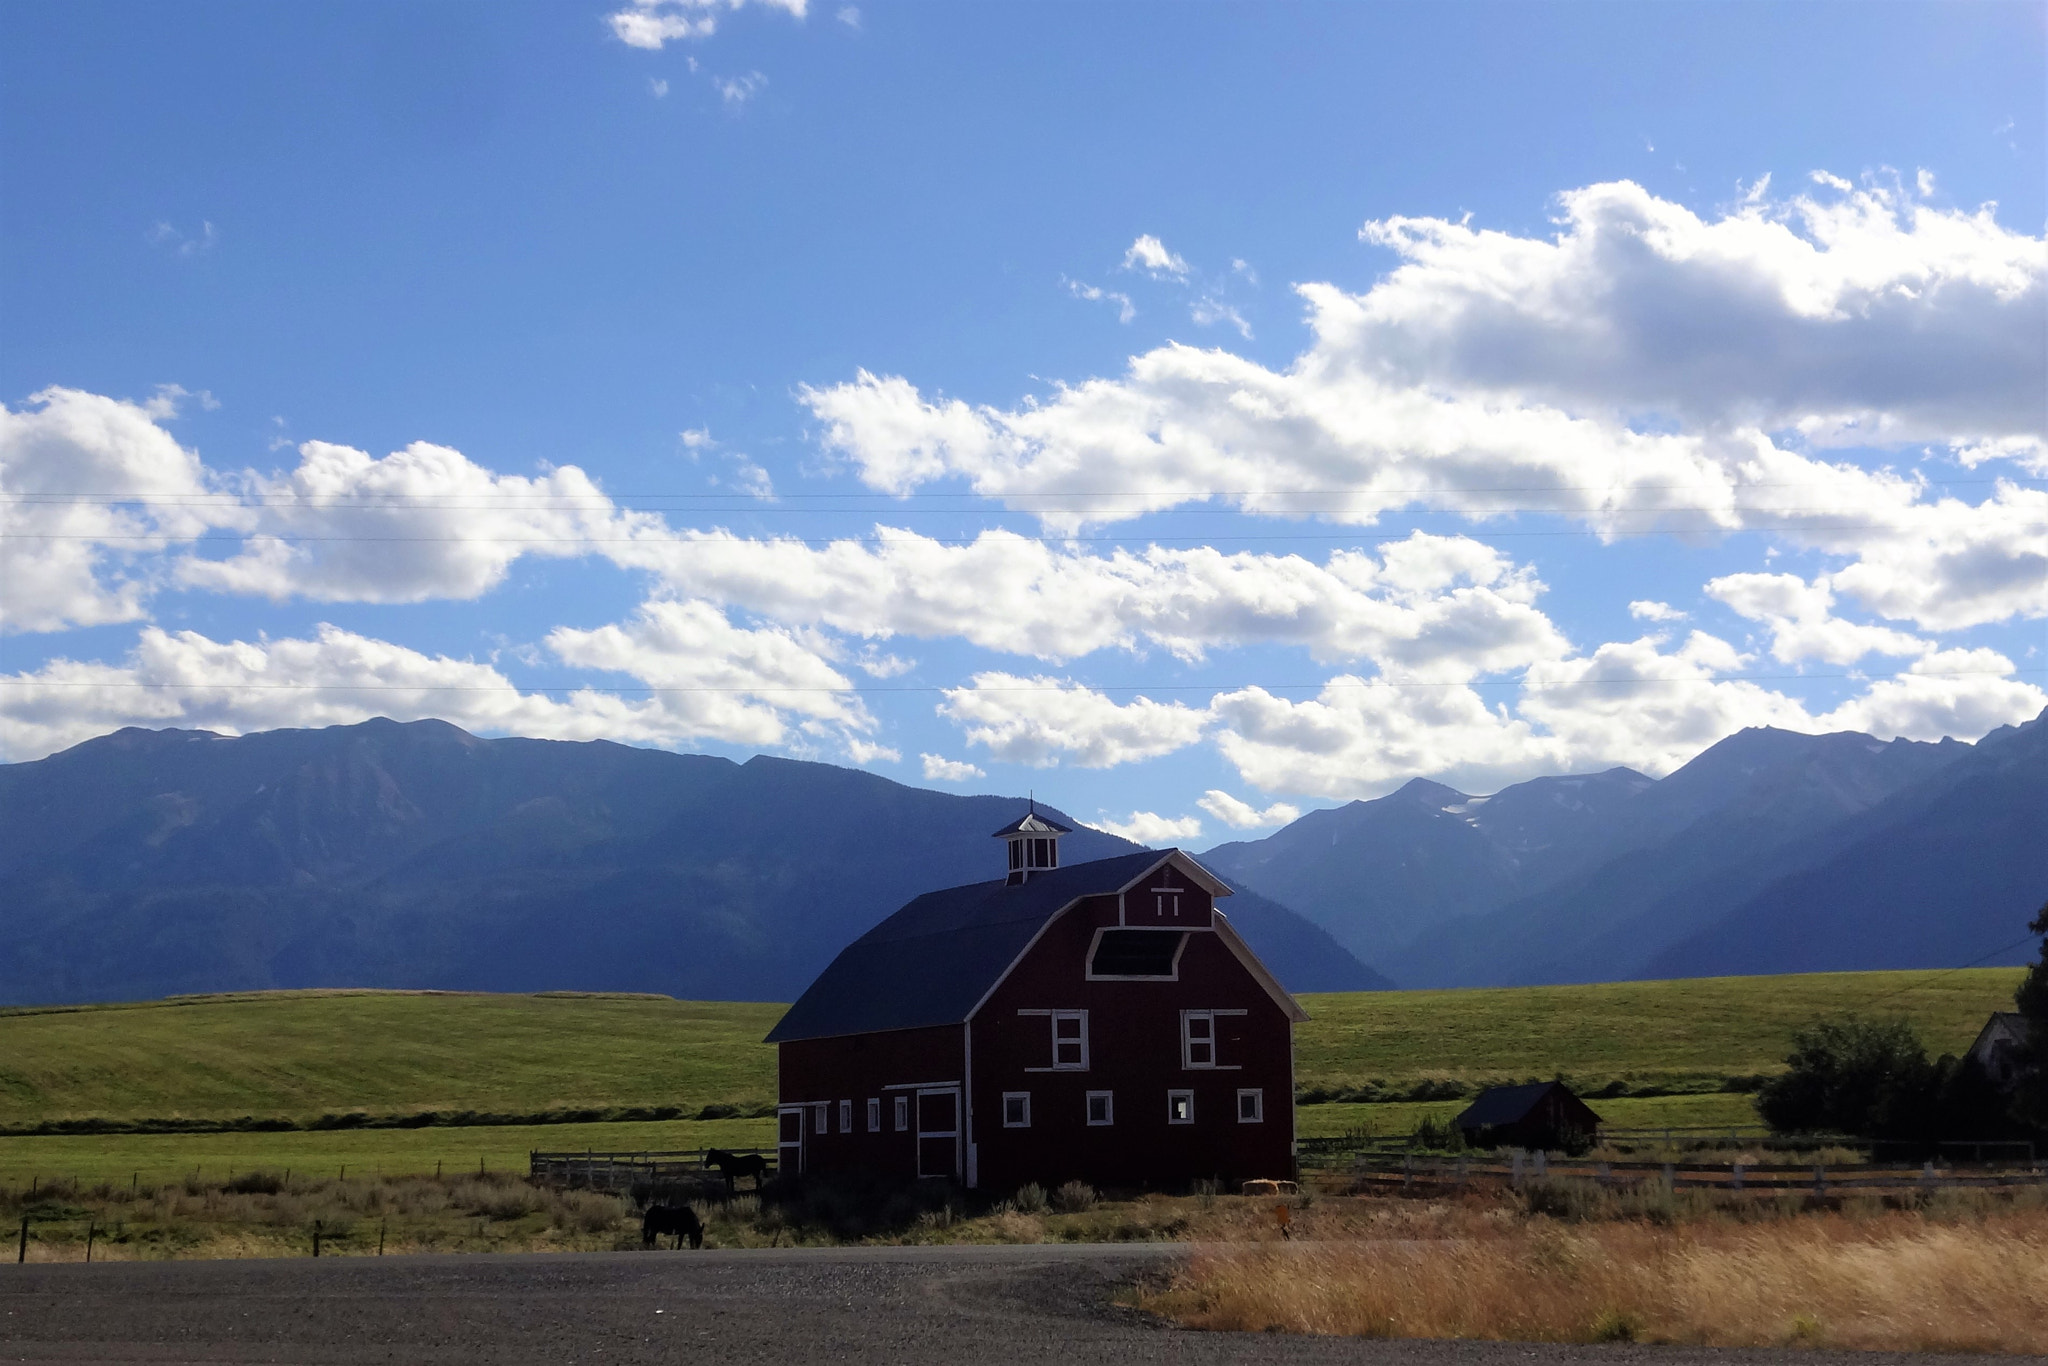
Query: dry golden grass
(1893, 1281)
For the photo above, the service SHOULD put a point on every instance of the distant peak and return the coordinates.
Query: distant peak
(1423, 792)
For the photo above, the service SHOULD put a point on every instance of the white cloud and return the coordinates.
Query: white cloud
(163, 235)
(89, 488)
(867, 752)
(1644, 609)
(1802, 622)
(1242, 815)
(1208, 311)
(658, 86)
(1044, 721)
(938, 769)
(1627, 373)
(1150, 255)
(737, 90)
(1947, 692)
(848, 15)
(1149, 828)
(651, 24)
(424, 522)
(1125, 309)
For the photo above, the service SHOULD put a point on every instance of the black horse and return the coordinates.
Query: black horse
(677, 1220)
(733, 1165)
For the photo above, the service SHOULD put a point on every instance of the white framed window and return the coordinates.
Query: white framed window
(845, 1116)
(874, 1114)
(1101, 1107)
(1180, 1107)
(1070, 1041)
(1197, 1038)
(823, 1122)
(902, 1114)
(1251, 1105)
(1016, 1109)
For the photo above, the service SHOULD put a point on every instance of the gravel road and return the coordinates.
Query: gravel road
(911, 1306)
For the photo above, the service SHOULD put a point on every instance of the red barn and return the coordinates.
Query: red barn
(1100, 1022)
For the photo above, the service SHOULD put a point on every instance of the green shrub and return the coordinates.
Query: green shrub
(1031, 1198)
(1075, 1197)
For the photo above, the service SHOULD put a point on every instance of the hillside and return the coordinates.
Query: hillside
(300, 1055)
(1612, 876)
(152, 863)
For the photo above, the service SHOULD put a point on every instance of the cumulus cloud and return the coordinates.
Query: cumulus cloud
(939, 769)
(1945, 692)
(1149, 828)
(1802, 622)
(1643, 370)
(1644, 609)
(1045, 721)
(651, 24)
(1207, 311)
(89, 487)
(1242, 815)
(1150, 255)
(737, 90)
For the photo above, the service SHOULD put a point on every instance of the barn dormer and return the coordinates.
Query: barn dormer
(1034, 841)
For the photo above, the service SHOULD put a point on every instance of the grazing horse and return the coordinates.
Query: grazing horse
(679, 1220)
(734, 1166)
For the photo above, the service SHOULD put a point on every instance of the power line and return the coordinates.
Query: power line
(1523, 685)
(1962, 967)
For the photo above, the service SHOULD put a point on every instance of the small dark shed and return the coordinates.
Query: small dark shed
(1543, 1114)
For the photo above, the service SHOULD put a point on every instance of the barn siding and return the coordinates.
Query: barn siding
(857, 1068)
(1134, 1030)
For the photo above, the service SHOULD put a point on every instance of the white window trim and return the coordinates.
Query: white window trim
(1108, 1109)
(1215, 1063)
(1258, 1114)
(1088, 963)
(845, 1116)
(902, 1114)
(1056, 1016)
(874, 1114)
(1171, 1097)
(823, 1122)
(1024, 1096)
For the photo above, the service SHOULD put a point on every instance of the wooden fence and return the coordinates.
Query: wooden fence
(1385, 1173)
(624, 1171)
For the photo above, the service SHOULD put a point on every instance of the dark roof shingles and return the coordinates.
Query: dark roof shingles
(932, 962)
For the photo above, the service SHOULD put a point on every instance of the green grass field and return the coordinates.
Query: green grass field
(300, 1055)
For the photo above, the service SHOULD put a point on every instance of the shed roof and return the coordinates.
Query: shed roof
(935, 960)
(1498, 1105)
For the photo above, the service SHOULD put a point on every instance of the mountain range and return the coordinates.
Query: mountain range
(1772, 851)
(150, 863)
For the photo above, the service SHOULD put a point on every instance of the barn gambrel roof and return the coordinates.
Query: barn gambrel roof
(937, 959)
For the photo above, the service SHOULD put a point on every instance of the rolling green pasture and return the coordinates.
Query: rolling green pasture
(1673, 1033)
(149, 1158)
(301, 1055)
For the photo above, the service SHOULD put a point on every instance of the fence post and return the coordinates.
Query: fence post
(22, 1256)
(1604, 1175)
(1516, 1178)
(1542, 1164)
(1926, 1175)
(1461, 1172)
(1670, 1178)
(316, 1237)
(1820, 1179)
(1735, 1177)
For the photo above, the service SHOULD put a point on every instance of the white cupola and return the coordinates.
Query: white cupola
(1034, 844)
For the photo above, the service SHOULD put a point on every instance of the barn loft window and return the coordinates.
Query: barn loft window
(1251, 1105)
(1016, 1109)
(845, 1116)
(1137, 953)
(823, 1110)
(902, 1114)
(1101, 1107)
(1180, 1107)
(874, 1114)
(1070, 1040)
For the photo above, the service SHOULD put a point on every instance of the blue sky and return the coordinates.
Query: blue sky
(1192, 412)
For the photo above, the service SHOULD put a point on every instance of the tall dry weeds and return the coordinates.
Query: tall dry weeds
(1897, 1283)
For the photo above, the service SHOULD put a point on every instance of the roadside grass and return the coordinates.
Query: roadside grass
(1959, 1276)
(302, 1054)
(1691, 1034)
(147, 1158)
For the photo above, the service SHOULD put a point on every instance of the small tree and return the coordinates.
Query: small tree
(2030, 1094)
(1853, 1076)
